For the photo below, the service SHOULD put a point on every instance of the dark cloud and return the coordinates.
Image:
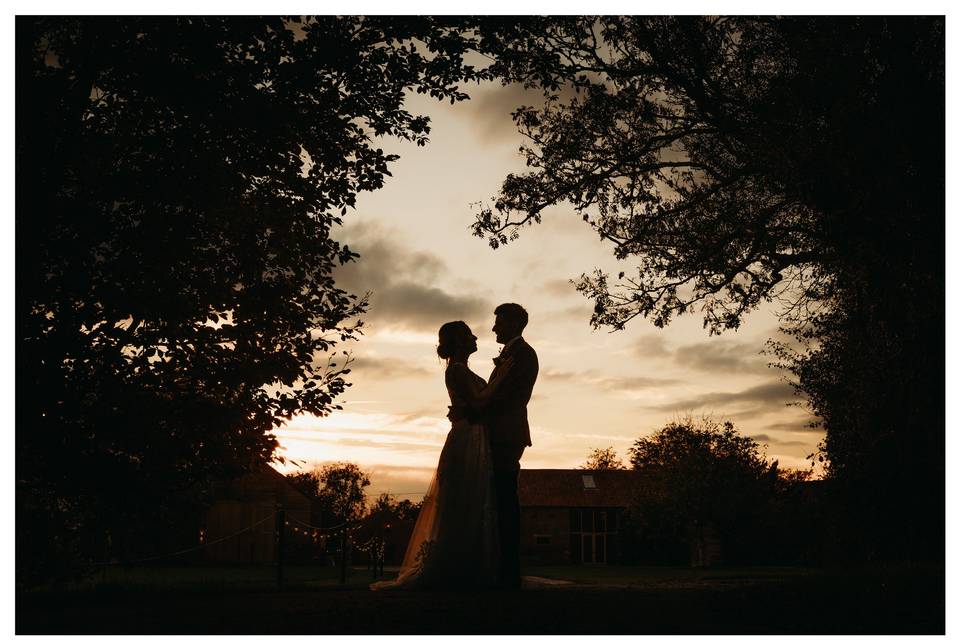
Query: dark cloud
(424, 307)
(780, 445)
(489, 109)
(727, 357)
(403, 284)
(794, 444)
(797, 426)
(755, 400)
(713, 355)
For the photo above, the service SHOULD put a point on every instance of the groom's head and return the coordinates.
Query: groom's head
(511, 318)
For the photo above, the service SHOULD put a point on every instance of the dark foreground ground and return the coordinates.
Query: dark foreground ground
(604, 601)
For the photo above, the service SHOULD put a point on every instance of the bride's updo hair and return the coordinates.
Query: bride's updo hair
(450, 336)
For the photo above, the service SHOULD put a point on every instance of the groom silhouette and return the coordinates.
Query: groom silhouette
(506, 417)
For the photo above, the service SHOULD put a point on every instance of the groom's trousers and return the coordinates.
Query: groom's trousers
(506, 473)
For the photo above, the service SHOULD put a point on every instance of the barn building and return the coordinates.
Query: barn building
(249, 504)
(573, 515)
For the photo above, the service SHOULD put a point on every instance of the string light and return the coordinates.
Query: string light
(374, 544)
(202, 545)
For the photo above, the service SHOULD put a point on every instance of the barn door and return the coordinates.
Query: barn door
(591, 529)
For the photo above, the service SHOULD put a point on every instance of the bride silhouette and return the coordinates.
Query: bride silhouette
(455, 540)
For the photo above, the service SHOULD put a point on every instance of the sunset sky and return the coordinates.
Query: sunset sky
(595, 389)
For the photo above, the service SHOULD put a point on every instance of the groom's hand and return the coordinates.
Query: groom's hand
(503, 369)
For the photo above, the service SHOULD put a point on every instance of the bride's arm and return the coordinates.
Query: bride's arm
(467, 387)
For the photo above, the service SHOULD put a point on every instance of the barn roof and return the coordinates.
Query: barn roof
(576, 488)
(263, 483)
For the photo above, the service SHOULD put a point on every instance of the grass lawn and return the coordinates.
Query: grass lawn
(226, 578)
(229, 578)
(601, 600)
(664, 576)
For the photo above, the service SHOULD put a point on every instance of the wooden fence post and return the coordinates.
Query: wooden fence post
(382, 551)
(343, 554)
(281, 526)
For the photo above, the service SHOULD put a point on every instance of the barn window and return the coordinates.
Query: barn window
(589, 482)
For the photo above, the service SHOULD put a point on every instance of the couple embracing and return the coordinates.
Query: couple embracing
(468, 532)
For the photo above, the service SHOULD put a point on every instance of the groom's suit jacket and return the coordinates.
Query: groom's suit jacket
(507, 411)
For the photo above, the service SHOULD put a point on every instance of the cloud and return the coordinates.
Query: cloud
(600, 437)
(794, 444)
(581, 313)
(395, 445)
(610, 383)
(417, 306)
(405, 285)
(781, 445)
(560, 287)
(653, 346)
(375, 367)
(762, 398)
(797, 426)
(634, 383)
(489, 109)
(415, 425)
(560, 376)
(726, 357)
(382, 367)
(715, 355)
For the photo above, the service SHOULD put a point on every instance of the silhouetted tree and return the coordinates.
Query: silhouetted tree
(338, 488)
(338, 496)
(307, 482)
(177, 180)
(701, 476)
(392, 508)
(600, 459)
(794, 529)
(742, 160)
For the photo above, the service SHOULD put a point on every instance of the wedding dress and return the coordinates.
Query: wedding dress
(454, 541)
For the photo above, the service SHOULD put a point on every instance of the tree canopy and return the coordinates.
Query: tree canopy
(601, 459)
(741, 160)
(730, 155)
(338, 488)
(177, 180)
(700, 476)
(709, 466)
(387, 507)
